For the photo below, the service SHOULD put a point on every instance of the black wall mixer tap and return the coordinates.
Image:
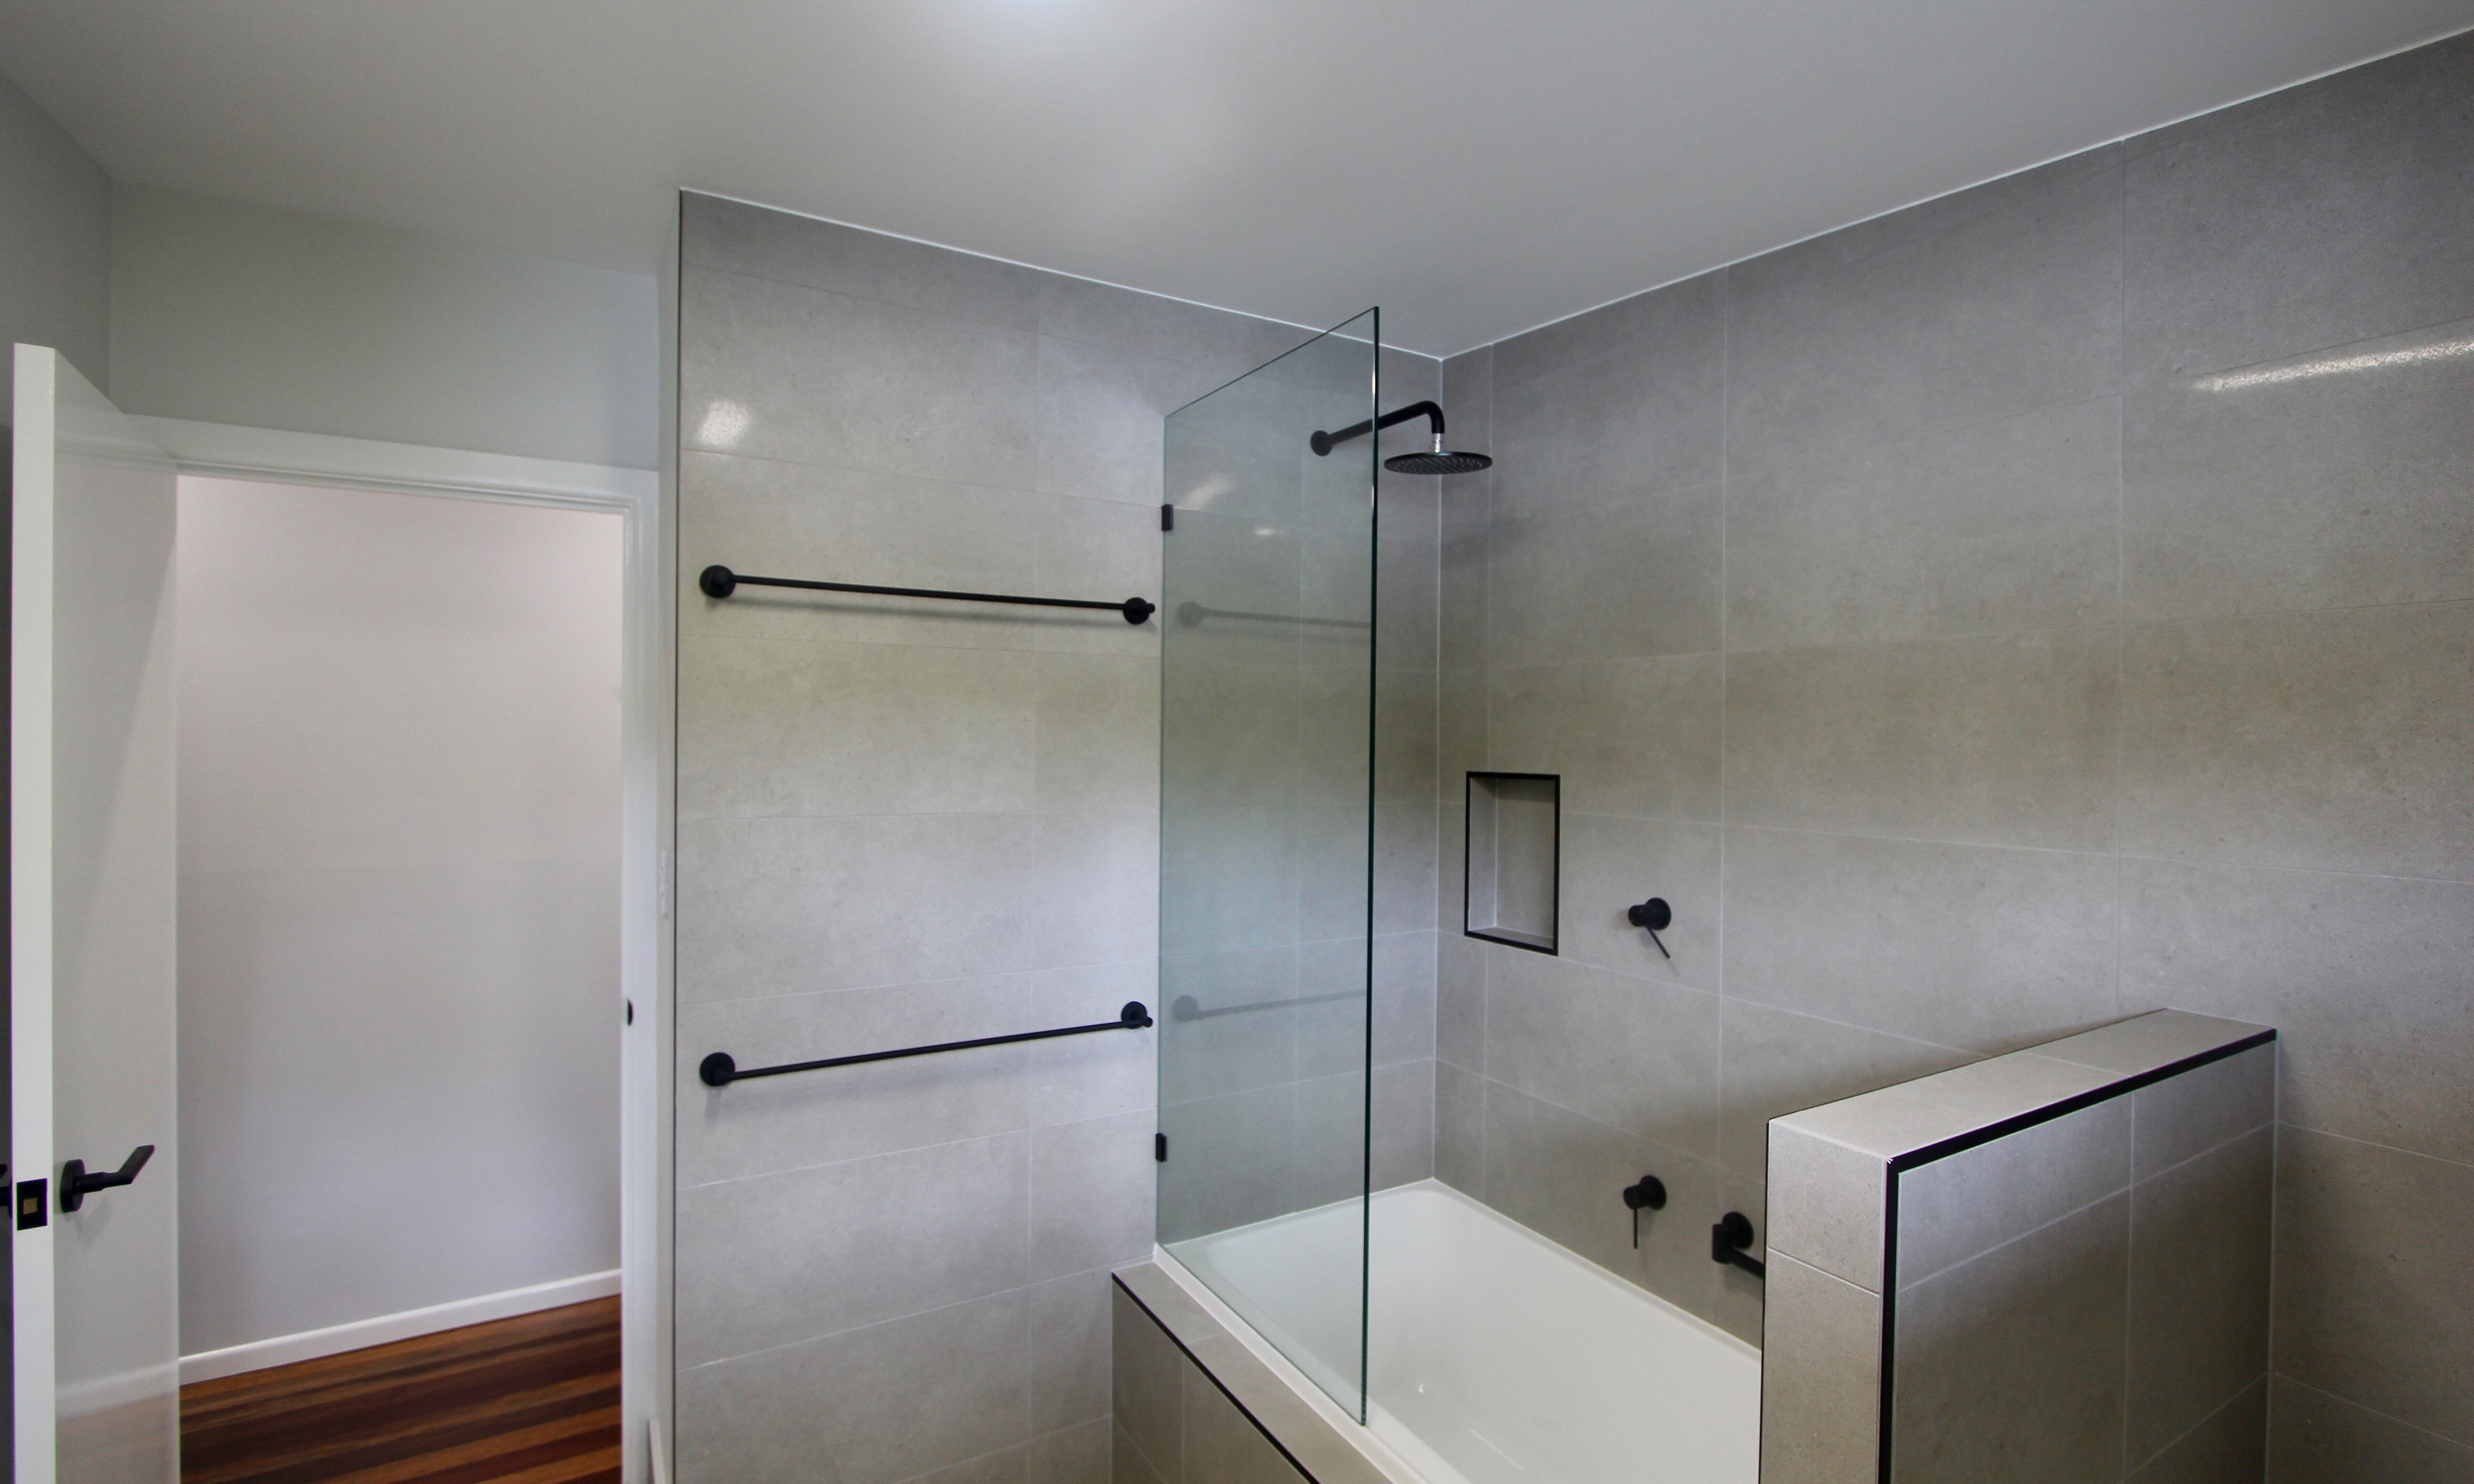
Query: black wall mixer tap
(1649, 1195)
(1652, 916)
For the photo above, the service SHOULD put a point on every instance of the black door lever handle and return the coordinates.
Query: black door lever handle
(76, 1184)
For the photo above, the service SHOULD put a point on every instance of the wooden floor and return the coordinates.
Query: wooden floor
(533, 1399)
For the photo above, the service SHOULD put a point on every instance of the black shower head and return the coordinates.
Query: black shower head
(1441, 461)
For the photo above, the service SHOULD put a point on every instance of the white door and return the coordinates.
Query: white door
(91, 937)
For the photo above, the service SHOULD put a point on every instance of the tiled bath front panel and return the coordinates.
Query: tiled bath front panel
(906, 822)
(2048, 604)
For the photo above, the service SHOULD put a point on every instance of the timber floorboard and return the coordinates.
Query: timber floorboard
(533, 1399)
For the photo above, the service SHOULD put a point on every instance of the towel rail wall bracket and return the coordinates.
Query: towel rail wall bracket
(719, 1070)
(719, 581)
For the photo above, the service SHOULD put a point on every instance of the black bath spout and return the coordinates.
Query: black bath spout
(1728, 1240)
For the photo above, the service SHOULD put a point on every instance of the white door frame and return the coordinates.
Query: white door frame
(646, 1055)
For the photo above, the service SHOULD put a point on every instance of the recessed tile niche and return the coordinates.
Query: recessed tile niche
(1514, 826)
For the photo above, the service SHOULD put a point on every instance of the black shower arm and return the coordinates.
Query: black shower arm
(1325, 442)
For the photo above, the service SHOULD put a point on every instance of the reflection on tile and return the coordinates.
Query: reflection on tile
(2330, 741)
(1993, 741)
(2041, 1319)
(1991, 527)
(2381, 1057)
(1963, 945)
(2365, 1238)
(2328, 480)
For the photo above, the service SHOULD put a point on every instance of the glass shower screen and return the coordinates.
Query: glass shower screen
(1267, 675)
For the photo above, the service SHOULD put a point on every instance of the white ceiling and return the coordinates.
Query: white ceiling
(1475, 166)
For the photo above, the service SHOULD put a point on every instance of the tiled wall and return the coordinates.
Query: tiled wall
(2047, 603)
(903, 822)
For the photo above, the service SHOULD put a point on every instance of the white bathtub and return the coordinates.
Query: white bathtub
(1494, 1356)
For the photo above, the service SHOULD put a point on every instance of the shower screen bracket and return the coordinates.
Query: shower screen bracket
(718, 581)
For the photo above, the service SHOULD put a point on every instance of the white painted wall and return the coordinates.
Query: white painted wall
(400, 913)
(225, 312)
(54, 241)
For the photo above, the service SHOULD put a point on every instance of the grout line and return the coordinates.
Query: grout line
(2260, 1380)
(2393, 1148)
(2384, 1416)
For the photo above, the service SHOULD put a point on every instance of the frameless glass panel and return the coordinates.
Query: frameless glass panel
(1265, 822)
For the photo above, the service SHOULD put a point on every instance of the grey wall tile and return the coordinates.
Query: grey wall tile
(869, 1406)
(2367, 1241)
(1149, 1374)
(2325, 214)
(1962, 945)
(1404, 735)
(782, 1258)
(1827, 1206)
(1403, 1009)
(2368, 980)
(1070, 1345)
(1404, 870)
(1173, 328)
(1956, 1209)
(1127, 1464)
(736, 237)
(1459, 1127)
(1637, 1055)
(1090, 1194)
(1070, 1455)
(1005, 1466)
(1632, 407)
(1460, 999)
(1821, 1379)
(774, 371)
(1993, 741)
(1097, 731)
(2316, 1437)
(1991, 527)
(1629, 737)
(2334, 741)
(2333, 479)
(1908, 1116)
(1608, 862)
(1947, 314)
(1549, 580)
(2148, 1042)
(2199, 1288)
(2231, 1445)
(1223, 1445)
(783, 727)
(2041, 1317)
(1775, 1061)
(2188, 1114)
(1099, 414)
(775, 1123)
(1402, 1115)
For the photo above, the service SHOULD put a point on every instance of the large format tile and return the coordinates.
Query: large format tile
(1636, 576)
(2320, 215)
(1960, 945)
(1070, 1348)
(2370, 981)
(1993, 527)
(1459, 1127)
(1091, 1196)
(1583, 419)
(783, 1123)
(867, 1406)
(1148, 1388)
(1607, 864)
(2334, 741)
(1960, 1206)
(1223, 1445)
(781, 1259)
(1957, 311)
(775, 906)
(1100, 415)
(1821, 1379)
(2195, 1111)
(2200, 1252)
(1630, 1052)
(2229, 1448)
(1175, 328)
(2374, 1252)
(2009, 1367)
(2329, 480)
(761, 242)
(1401, 1114)
(2320, 1439)
(1991, 741)
(1776, 1063)
(1070, 1455)
(1628, 737)
(775, 371)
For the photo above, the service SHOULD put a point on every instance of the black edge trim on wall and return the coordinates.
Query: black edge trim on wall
(1242, 1410)
(1971, 1139)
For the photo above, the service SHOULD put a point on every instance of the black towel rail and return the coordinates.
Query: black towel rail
(718, 581)
(718, 1070)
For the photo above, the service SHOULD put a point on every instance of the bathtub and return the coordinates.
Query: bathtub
(1494, 1355)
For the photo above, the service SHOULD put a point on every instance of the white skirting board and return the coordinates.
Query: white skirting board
(284, 1348)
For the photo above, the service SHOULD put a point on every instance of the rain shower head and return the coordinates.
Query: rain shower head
(1439, 461)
